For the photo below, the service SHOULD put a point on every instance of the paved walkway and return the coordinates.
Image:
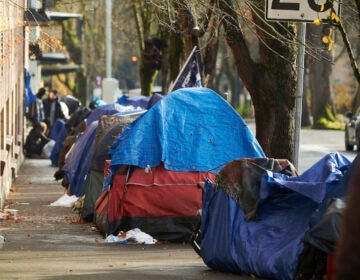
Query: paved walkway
(49, 242)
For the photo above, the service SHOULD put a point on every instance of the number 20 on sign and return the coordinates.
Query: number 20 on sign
(300, 10)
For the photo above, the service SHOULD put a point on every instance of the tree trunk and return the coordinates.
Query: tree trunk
(271, 82)
(150, 53)
(171, 58)
(211, 51)
(320, 70)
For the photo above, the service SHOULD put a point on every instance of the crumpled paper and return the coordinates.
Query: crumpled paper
(65, 201)
(132, 236)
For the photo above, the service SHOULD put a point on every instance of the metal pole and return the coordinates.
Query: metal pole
(300, 89)
(108, 38)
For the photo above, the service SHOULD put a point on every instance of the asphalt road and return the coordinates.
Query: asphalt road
(315, 144)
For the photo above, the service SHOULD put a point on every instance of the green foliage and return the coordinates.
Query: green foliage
(324, 123)
(328, 120)
(245, 110)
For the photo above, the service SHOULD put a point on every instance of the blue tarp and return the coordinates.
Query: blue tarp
(191, 129)
(107, 109)
(136, 101)
(289, 206)
(56, 129)
(78, 162)
(60, 138)
(144, 102)
(29, 95)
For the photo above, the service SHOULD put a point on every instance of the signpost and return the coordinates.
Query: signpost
(302, 11)
(299, 10)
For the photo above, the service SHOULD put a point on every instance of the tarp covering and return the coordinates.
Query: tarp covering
(191, 129)
(136, 101)
(108, 109)
(77, 164)
(29, 95)
(57, 133)
(289, 206)
(144, 102)
(56, 129)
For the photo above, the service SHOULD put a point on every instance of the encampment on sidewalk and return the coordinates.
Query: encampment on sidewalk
(188, 166)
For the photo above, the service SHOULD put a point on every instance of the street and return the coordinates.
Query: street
(314, 144)
(49, 242)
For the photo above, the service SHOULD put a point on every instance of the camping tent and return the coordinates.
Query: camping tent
(191, 129)
(182, 137)
(108, 129)
(288, 206)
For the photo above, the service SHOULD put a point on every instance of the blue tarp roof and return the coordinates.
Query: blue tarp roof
(144, 102)
(107, 109)
(191, 129)
(289, 206)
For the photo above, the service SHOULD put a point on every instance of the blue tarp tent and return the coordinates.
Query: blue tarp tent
(77, 164)
(289, 206)
(60, 138)
(191, 129)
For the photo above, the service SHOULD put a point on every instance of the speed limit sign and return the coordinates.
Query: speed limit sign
(300, 10)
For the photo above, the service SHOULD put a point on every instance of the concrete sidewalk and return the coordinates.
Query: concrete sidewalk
(49, 242)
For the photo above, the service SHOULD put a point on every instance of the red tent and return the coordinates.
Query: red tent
(160, 202)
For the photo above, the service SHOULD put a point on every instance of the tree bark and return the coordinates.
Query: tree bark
(271, 82)
(319, 81)
(150, 49)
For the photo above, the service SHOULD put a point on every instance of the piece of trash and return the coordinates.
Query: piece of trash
(2, 241)
(22, 203)
(114, 239)
(147, 169)
(132, 236)
(94, 229)
(140, 237)
(11, 214)
(65, 201)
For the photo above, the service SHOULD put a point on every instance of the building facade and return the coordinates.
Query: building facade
(12, 64)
